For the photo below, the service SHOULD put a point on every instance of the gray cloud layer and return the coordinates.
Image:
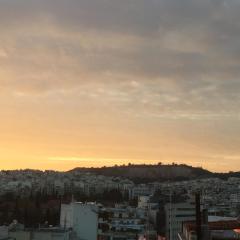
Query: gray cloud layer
(144, 59)
(184, 50)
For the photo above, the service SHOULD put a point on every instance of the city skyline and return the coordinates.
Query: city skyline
(104, 82)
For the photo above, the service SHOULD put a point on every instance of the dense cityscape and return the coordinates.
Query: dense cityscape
(78, 205)
(119, 119)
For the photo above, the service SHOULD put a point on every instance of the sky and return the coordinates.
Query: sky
(104, 82)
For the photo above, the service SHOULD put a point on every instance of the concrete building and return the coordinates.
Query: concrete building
(220, 230)
(141, 190)
(176, 214)
(81, 218)
(3, 232)
(143, 201)
(124, 223)
(40, 234)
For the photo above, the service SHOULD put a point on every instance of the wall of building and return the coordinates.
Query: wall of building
(20, 235)
(82, 218)
(39, 235)
(176, 214)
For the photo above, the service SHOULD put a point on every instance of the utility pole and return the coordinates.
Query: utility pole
(198, 216)
(170, 212)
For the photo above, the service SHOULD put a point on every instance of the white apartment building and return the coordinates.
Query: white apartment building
(81, 218)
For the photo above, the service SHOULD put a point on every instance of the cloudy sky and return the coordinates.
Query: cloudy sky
(100, 82)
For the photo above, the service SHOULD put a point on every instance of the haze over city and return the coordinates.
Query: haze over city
(104, 82)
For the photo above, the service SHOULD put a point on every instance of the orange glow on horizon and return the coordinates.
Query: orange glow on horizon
(115, 86)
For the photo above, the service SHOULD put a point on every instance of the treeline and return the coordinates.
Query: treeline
(42, 209)
(106, 197)
(30, 211)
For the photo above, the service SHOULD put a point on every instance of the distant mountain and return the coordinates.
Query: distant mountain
(151, 173)
(138, 173)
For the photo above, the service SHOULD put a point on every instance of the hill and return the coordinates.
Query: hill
(151, 173)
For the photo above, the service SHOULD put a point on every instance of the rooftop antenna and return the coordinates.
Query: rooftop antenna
(198, 215)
